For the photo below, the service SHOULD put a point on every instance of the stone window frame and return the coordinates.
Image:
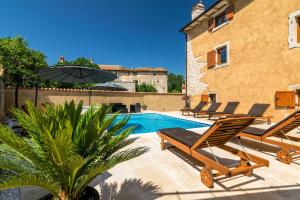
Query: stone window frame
(227, 44)
(292, 32)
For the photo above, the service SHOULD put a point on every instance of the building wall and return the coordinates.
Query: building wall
(158, 79)
(153, 101)
(261, 62)
(130, 86)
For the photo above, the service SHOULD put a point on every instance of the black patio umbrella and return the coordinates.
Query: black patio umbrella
(109, 86)
(76, 75)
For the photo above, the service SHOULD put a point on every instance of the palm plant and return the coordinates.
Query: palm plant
(65, 150)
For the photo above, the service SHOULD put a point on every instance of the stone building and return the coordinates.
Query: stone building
(247, 51)
(128, 78)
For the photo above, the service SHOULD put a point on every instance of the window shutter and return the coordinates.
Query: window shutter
(211, 24)
(230, 12)
(204, 97)
(285, 99)
(211, 59)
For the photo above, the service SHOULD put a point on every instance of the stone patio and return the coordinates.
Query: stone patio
(170, 174)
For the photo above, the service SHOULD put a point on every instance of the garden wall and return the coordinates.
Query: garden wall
(153, 101)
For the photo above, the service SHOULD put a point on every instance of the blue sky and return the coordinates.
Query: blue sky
(132, 33)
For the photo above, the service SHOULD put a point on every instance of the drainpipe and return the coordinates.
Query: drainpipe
(186, 60)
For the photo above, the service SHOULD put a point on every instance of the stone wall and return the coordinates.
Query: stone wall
(130, 86)
(261, 62)
(2, 111)
(153, 101)
(158, 79)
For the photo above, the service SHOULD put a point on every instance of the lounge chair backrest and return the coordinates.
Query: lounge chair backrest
(223, 131)
(213, 107)
(284, 126)
(200, 106)
(231, 107)
(137, 107)
(258, 109)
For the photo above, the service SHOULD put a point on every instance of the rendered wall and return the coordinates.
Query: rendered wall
(154, 101)
(261, 62)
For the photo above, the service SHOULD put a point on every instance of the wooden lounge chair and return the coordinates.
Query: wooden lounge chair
(136, 108)
(228, 110)
(217, 135)
(286, 143)
(199, 107)
(212, 108)
(257, 111)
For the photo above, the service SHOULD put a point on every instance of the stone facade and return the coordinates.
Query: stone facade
(130, 86)
(260, 62)
(194, 72)
(158, 77)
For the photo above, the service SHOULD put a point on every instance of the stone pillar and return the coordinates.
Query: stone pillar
(2, 111)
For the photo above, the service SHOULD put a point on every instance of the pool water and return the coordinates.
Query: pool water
(152, 122)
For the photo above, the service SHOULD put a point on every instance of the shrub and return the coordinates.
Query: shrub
(65, 149)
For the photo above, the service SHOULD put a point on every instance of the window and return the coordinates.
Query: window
(222, 55)
(294, 30)
(220, 19)
(217, 21)
(213, 97)
(219, 57)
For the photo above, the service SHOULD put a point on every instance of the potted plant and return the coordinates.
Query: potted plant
(144, 106)
(64, 150)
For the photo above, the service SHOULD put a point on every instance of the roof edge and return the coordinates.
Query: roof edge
(211, 7)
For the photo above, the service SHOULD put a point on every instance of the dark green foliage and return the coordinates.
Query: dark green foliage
(80, 62)
(19, 63)
(145, 88)
(175, 83)
(65, 149)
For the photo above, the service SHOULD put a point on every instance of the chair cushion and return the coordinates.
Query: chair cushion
(255, 131)
(183, 136)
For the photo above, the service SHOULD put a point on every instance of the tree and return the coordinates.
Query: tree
(65, 150)
(81, 61)
(19, 63)
(175, 83)
(145, 88)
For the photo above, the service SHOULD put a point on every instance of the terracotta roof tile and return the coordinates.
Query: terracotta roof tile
(113, 68)
(150, 69)
(142, 69)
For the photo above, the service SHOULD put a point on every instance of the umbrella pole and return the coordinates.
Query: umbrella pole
(36, 94)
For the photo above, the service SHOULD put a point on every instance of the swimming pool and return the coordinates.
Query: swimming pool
(152, 122)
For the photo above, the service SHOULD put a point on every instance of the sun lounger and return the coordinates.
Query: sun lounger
(257, 110)
(228, 110)
(199, 107)
(136, 108)
(217, 135)
(212, 108)
(280, 129)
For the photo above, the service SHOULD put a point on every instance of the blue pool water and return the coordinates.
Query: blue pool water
(152, 122)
